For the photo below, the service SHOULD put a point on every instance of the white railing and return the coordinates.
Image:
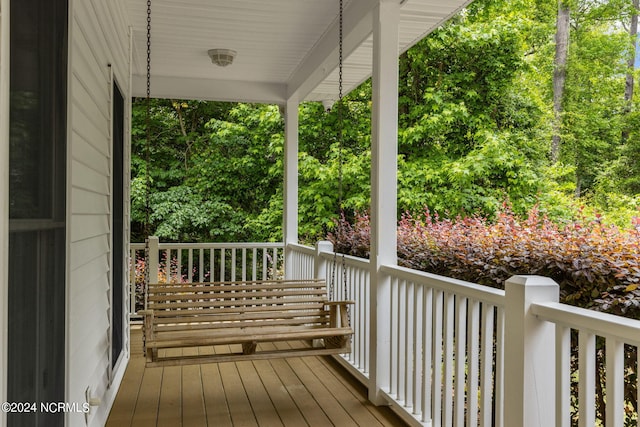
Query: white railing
(348, 279)
(300, 261)
(136, 277)
(621, 339)
(433, 318)
(447, 340)
(203, 262)
(445, 336)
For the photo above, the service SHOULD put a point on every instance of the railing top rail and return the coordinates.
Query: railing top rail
(237, 245)
(474, 291)
(601, 324)
(351, 260)
(307, 250)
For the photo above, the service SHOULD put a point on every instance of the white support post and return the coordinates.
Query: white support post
(154, 243)
(4, 200)
(529, 360)
(384, 149)
(320, 265)
(290, 211)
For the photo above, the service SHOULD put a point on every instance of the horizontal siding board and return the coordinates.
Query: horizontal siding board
(117, 46)
(89, 155)
(95, 106)
(90, 296)
(82, 279)
(90, 336)
(98, 116)
(88, 25)
(98, 136)
(90, 73)
(84, 251)
(88, 202)
(88, 179)
(89, 226)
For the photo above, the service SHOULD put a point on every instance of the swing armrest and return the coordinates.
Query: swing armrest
(330, 303)
(147, 324)
(149, 332)
(338, 316)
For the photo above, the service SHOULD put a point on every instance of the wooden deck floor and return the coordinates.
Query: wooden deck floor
(308, 391)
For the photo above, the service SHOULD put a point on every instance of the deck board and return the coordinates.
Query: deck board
(312, 412)
(297, 391)
(215, 399)
(258, 395)
(193, 405)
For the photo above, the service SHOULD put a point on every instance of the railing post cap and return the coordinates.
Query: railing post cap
(531, 281)
(324, 246)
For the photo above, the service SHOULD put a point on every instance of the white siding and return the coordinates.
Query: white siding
(99, 36)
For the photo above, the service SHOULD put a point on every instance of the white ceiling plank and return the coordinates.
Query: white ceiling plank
(290, 44)
(323, 59)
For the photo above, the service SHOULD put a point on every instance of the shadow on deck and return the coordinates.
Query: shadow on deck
(308, 391)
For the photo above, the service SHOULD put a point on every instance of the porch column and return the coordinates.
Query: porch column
(384, 149)
(290, 192)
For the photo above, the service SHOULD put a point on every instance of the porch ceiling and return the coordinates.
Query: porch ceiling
(286, 48)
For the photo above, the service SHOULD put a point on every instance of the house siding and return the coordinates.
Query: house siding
(99, 47)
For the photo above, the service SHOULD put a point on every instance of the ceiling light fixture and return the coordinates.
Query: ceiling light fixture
(222, 57)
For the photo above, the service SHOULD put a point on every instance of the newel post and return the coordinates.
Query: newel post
(153, 259)
(320, 265)
(529, 359)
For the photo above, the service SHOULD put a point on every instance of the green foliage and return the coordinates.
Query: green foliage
(596, 265)
(474, 130)
(183, 215)
(213, 168)
(496, 169)
(449, 96)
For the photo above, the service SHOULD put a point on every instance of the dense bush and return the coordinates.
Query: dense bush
(596, 265)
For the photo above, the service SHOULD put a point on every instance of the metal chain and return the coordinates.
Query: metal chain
(147, 276)
(145, 285)
(340, 140)
(148, 125)
(332, 282)
(340, 108)
(345, 288)
(340, 163)
(340, 36)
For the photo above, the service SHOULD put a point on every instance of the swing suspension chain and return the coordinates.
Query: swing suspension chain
(148, 125)
(340, 110)
(148, 161)
(341, 143)
(340, 138)
(334, 268)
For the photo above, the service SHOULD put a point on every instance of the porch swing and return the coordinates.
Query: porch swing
(194, 323)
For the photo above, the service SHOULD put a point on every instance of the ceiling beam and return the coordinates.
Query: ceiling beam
(323, 59)
(210, 89)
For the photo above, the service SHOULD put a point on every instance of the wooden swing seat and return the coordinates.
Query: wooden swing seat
(197, 316)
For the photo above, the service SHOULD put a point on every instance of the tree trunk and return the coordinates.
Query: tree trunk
(183, 131)
(559, 75)
(628, 89)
